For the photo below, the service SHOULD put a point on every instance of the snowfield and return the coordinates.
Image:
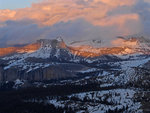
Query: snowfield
(102, 101)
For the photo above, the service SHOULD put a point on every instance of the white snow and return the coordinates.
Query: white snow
(18, 82)
(118, 97)
(88, 70)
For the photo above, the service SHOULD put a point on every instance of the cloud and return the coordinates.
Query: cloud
(50, 12)
(74, 19)
(116, 3)
(125, 43)
(24, 31)
(143, 10)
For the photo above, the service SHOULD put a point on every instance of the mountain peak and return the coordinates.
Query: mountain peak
(53, 43)
(60, 39)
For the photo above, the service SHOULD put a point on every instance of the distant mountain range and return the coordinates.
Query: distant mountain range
(53, 59)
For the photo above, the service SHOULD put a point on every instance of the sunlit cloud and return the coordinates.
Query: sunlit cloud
(106, 18)
(50, 12)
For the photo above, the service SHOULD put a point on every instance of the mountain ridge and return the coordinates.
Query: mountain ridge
(121, 46)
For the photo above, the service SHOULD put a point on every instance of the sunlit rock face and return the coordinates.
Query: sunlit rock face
(86, 51)
(42, 43)
(6, 51)
(11, 50)
(120, 46)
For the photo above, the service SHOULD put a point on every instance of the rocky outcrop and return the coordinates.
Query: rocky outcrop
(1, 73)
(49, 73)
(53, 43)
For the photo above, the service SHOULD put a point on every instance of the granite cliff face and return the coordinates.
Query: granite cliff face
(48, 73)
(1, 73)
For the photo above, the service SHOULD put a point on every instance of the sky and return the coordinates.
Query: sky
(14, 4)
(25, 21)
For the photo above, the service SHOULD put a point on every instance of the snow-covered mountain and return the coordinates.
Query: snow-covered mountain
(100, 79)
(40, 58)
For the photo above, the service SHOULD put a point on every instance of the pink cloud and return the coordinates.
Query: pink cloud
(50, 12)
(103, 16)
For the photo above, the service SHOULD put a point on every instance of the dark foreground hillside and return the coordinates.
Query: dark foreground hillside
(72, 98)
